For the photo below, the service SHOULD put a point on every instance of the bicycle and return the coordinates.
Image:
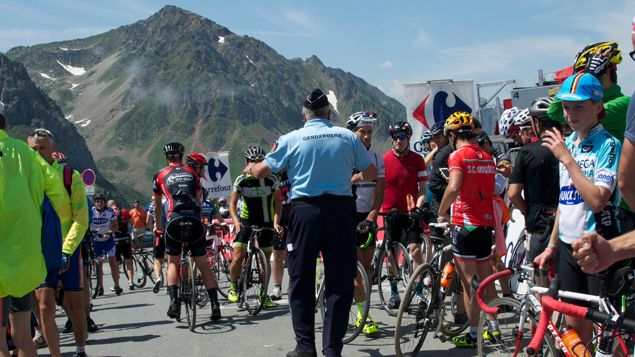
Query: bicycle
(402, 269)
(419, 314)
(354, 329)
(219, 256)
(611, 324)
(517, 319)
(142, 265)
(254, 276)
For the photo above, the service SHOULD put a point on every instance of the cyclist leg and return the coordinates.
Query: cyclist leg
(173, 250)
(365, 256)
(572, 278)
(159, 256)
(277, 268)
(199, 254)
(126, 251)
(20, 319)
(240, 252)
(72, 281)
(396, 228)
(472, 248)
(265, 243)
(114, 267)
(45, 305)
(414, 239)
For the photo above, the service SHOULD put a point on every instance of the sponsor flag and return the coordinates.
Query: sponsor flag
(431, 102)
(217, 178)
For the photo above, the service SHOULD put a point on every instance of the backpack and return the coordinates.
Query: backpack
(52, 240)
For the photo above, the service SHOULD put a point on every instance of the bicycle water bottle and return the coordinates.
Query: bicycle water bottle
(448, 273)
(573, 342)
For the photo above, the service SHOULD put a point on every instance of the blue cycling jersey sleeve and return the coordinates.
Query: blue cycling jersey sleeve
(605, 174)
(277, 159)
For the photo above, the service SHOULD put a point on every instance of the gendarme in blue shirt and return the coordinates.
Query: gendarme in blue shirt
(319, 159)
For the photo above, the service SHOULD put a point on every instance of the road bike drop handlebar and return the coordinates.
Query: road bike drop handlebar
(480, 290)
(550, 304)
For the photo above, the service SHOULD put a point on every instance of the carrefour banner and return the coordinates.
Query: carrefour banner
(216, 179)
(433, 101)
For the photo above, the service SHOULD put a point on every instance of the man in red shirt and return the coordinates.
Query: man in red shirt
(406, 174)
(470, 191)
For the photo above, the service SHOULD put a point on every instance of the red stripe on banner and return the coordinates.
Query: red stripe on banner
(420, 112)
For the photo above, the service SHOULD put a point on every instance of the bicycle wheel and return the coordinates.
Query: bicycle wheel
(220, 266)
(403, 270)
(95, 277)
(452, 321)
(413, 320)
(194, 294)
(186, 289)
(139, 271)
(354, 328)
(512, 341)
(148, 264)
(254, 281)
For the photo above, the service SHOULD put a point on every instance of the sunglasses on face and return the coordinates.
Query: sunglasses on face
(401, 137)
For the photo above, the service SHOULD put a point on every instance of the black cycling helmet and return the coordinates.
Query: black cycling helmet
(99, 196)
(400, 127)
(254, 153)
(539, 107)
(437, 128)
(482, 138)
(173, 149)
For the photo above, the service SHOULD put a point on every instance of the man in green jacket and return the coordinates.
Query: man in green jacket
(24, 179)
(601, 60)
(73, 229)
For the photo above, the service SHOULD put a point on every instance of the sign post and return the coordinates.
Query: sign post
(88, 176)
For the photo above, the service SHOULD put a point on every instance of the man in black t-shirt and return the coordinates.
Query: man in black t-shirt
(438, 182)
(536, 174)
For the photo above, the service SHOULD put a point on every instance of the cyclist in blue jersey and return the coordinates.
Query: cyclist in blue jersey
(588, 177)
(104, 223)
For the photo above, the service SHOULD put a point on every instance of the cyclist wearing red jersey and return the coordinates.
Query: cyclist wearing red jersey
(406, 174)
(470, 192)
(182, 188)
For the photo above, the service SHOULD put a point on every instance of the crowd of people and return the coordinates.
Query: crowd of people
(320, 191)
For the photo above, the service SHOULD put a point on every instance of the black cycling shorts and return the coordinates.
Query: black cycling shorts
(196, 240)
(572, 278)
(123, 250)
(12, 304)
(265, 241)
(540, 240)
(362, 238)
(472, 243)
(399, 226)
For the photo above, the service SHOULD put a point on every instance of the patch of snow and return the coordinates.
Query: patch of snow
(221, 39)
(81, 121)
(76, 71)
(73, 85)
(69, 117)
(333, 100)
(63, 48)
(253, 84)
(47, 76)
(252, 62)
(85, 124)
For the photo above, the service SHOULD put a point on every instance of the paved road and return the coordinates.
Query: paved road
(135, 324)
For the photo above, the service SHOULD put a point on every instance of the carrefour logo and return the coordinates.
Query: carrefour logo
(216, 169)
(440, 108)
(569, 196)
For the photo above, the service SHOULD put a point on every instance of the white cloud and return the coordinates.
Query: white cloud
(394, 89)
(421, 39)
(289, 22)
(385, 64)
(301, 18)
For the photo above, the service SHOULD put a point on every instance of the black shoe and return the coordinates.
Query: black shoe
(91, 326)
(118, 290)
(174, 311)
(394, 302)
(157, 286)
(295, 353)
(100, 292)
(215, 311)
(130, 287)
(68, 327)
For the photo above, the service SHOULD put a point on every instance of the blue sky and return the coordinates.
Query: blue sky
(384, 42)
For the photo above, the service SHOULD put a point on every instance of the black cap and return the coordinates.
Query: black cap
(316, 100)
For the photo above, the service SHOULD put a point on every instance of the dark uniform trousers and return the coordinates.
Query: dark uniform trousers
(324, 223)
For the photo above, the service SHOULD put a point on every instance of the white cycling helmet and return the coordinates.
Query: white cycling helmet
(506, 120)
(523, 118)
(360, 119)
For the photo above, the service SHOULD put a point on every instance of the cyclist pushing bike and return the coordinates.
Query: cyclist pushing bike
(261, 207)
(182, 188)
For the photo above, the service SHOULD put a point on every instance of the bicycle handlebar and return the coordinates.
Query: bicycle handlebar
(551, 304)
(480, 290)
